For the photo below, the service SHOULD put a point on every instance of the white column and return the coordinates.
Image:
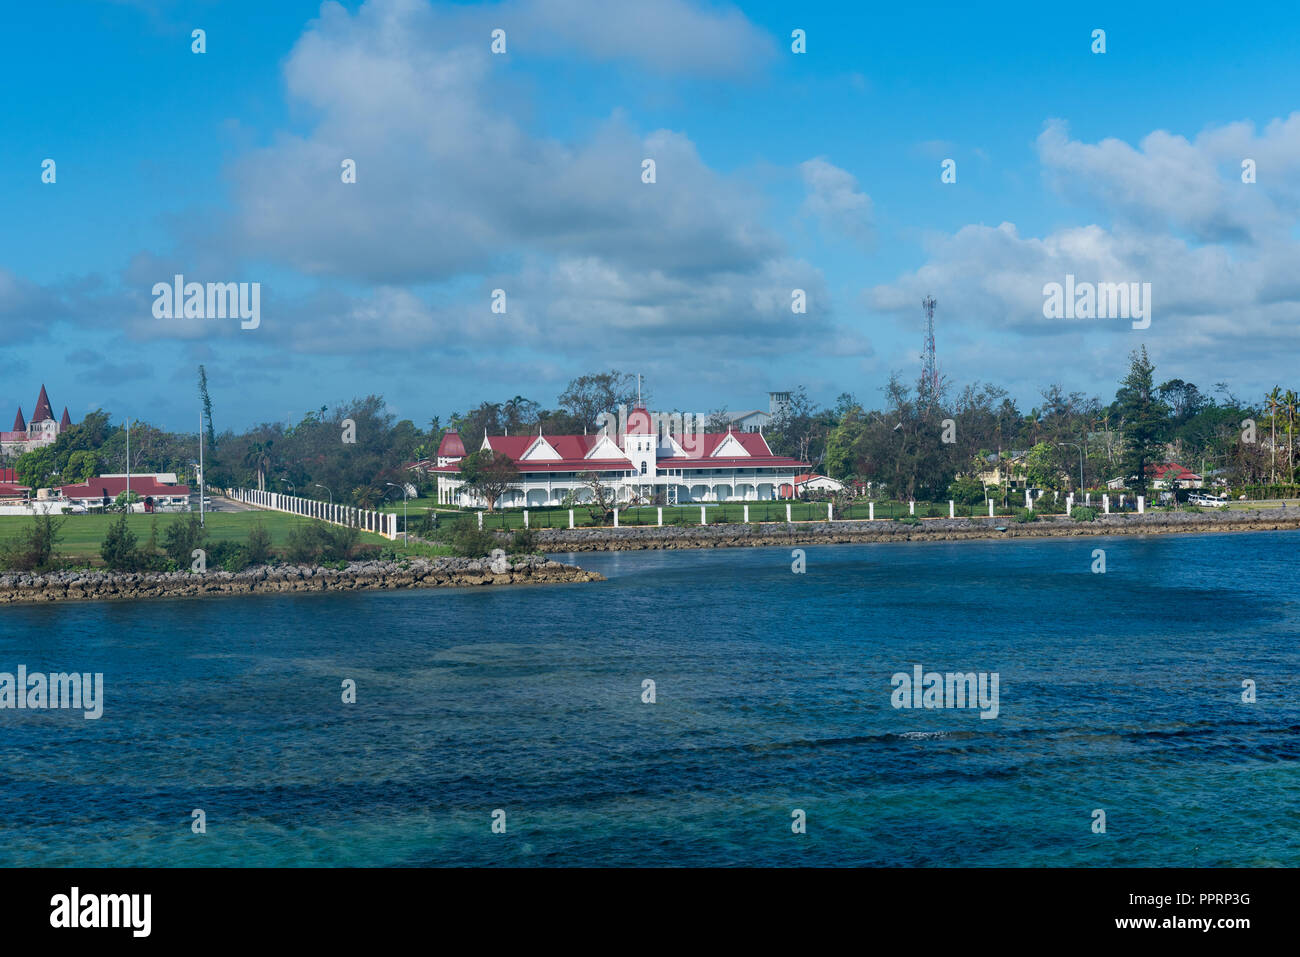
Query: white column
(911, 508)
(1105, 503)
(1029, 500)
(787, 512)
(616, 518)
(525, 518)
(702, 522)
(746, 514)
(871, 511)
(1141, 504)
(661, 515)
(480, 521)
(830, 514)
(1069, 504)
(952, 509)
(1087, 499)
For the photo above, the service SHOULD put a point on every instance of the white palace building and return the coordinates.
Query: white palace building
(644, 457)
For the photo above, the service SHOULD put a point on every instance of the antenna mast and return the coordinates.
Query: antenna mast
(929, 364)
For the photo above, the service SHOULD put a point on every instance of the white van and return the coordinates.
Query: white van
(1207, 501)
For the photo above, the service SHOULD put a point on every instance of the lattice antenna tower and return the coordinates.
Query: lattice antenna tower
(929, 364)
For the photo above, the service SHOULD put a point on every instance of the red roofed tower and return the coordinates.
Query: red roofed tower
(43, 411)
(451, 448)
(19, 424)
(65, 422)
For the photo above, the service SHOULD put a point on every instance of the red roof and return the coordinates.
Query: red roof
(9, 489)
(19, 424)
(451, 447)
(43, 410)
(112, 487)
(65, 422)
(573, 451)
(1162, 471)
(8, 475)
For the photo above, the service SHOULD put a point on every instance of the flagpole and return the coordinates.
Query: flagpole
(201, 525)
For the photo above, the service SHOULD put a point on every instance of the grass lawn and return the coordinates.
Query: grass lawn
(81, 535)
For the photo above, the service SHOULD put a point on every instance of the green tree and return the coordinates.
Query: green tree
(119, 549)
(489, 474)
(1142, 415)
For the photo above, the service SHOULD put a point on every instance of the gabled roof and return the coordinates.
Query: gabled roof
(65, 422)
(43, 411)
(19, 424)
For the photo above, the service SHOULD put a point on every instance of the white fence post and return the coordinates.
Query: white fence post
(616, 516)
(702, 521)
(871, 511)
(911, 508)
(787, 512)
(952, 509)
(525, 518)
(1105, 503)
(990, 508)
(1141, 504)
(746, 515)
(830, 514)
(1069, 503)
(570, 518)
(661, 515)
(480, 521)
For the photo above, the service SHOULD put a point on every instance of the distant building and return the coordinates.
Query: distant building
(92, 493)
(43, 428)
(10, 490)
(642, 465)
(1163, 475)
(756, 419)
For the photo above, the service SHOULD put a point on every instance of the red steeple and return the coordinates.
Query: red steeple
(19, 424)
(451, 447)
(65, 423)
(43, 411)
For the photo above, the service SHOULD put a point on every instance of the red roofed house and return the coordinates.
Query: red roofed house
(10, 489)
(91, 494)
(43, 429)
(648, 458)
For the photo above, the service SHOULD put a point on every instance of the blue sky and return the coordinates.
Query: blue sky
(775, 171)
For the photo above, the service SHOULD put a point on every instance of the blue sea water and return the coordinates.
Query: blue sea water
(1118, 691)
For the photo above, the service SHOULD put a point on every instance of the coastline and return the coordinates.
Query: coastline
(16, 588)
(666, 537)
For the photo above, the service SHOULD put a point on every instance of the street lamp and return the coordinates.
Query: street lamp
(318, 485)
(1080, 448)
(406, 535)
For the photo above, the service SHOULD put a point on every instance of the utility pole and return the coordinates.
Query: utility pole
(200, 476)
(128, 465)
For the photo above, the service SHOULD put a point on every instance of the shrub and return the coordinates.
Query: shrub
(182, 537)
(258, 546)
(118, 550)
(340, 542)
(524, 542)
(34, 549)
(231, 556)
(1083, 513)
(1026, 515)
(469, 541)
(908, 520)
(933, 511)
(304, 545)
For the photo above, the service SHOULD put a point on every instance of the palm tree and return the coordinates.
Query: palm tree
(1274, 404)
(258, 458)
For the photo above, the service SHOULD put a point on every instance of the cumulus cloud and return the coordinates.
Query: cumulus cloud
(835, 200)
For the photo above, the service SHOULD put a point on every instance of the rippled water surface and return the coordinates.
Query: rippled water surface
(1119, 691)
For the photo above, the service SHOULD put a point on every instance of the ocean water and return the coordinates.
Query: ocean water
(1118, 691)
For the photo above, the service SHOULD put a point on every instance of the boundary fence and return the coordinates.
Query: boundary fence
(381, 523)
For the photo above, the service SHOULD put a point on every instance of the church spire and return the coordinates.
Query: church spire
(20, 425)
(43, 411)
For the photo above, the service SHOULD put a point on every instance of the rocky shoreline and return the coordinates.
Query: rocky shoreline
(631, 538)
(280, 579)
